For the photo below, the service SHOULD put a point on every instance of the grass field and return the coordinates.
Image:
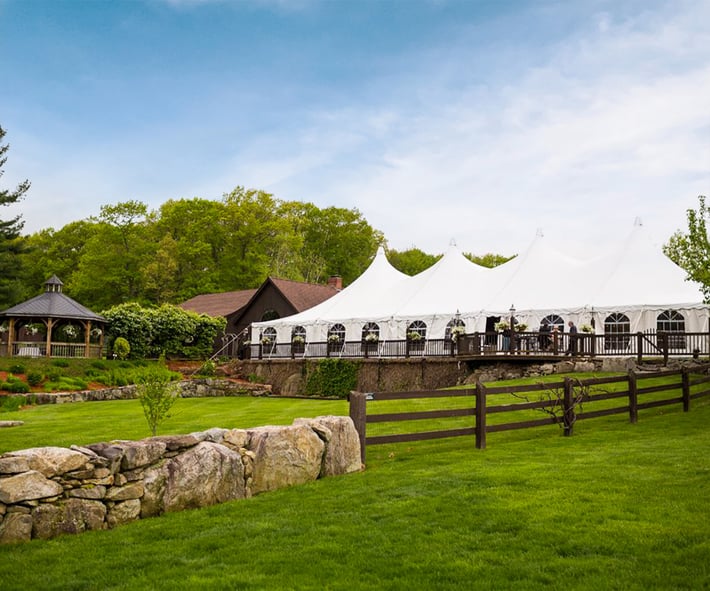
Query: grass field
(616, 506)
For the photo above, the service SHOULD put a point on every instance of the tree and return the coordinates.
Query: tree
(691, 250)
(489, 260)
(109, 270)
(412, 260)
(157, 395)
(11, 243)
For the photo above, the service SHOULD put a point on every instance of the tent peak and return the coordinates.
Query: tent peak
(638, 221)
(539, 233)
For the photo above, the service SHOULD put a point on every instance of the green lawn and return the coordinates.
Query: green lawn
(616, 506)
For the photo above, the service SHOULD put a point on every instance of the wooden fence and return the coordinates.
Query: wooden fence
(562, 403)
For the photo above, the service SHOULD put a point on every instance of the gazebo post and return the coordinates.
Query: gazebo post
(11, 337)
(87, 336)
(50, 324)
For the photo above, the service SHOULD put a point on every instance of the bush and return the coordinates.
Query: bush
(18, 387)
(60, 362)
(121, 348)
(332, 377)
(34, 378)
(208, 368)
(17, 368)
(100, 364)
(54, 375)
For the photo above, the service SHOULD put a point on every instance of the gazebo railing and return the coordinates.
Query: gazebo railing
(37, 349)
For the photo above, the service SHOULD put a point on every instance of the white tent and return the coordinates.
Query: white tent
(637, 282)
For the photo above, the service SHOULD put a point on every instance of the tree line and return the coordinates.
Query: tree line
(128, 253)
(188, 247)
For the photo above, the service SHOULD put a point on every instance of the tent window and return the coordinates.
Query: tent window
(555, 321)
(268, 339)
(674, 322)
(270, 315)
(460, 328)
(417, 327)
(617, 332)
(299, 334)
(372, 329)
(336, 333)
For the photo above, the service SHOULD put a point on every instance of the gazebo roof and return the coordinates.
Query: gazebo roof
(52, 304)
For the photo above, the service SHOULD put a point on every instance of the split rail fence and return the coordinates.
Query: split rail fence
(563, 402)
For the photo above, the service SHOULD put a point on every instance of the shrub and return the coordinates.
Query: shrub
(54, 375)
(332, 377)
(60, 362)
(19, 387)
(100, 364)
(34, 378)
(17, 368)
(208, 368)
(121, 348)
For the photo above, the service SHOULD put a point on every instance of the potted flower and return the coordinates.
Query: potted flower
(587, 328)
(521, 327)
(70, 331)
(501, 326)
(372, 337)
(457, 331)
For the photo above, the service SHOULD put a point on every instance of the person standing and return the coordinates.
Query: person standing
(572, 346)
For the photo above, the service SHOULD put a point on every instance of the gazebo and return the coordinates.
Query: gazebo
(51, 325)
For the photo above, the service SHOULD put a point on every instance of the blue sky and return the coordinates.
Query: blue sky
(477, 121)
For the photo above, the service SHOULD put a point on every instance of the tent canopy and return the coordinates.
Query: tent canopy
(637, 280)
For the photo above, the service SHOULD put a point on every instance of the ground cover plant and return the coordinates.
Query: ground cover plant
(64, 375)
(617, 506)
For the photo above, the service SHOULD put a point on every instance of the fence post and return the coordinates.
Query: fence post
(685, 376)
(639, 347)
(633, 398)
(663, 341)
(480, 394)
(358, 414)
(568, 416)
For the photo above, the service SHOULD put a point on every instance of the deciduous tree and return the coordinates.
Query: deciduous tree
(691, 250)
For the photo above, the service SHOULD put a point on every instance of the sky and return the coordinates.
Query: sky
(481, 122)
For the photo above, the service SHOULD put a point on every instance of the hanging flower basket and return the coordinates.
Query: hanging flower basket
(298, 340)
(70, 331)
(334, 338)
(414, 336)
(371, 337)
(587, 328)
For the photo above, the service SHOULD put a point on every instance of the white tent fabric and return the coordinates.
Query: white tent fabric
(637, 280)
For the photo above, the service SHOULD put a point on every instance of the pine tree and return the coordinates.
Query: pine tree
(11, 243)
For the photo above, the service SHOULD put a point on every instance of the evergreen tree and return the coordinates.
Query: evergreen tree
(11, 243)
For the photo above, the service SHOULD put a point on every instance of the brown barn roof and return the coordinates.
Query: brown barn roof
(303, 295)
(219, 304)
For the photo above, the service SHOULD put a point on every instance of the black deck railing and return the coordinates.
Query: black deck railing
(492, 344)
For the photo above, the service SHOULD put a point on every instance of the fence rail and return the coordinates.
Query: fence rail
(563, 402)
(534, 344)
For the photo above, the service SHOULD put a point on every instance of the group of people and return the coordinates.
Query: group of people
(549, 332)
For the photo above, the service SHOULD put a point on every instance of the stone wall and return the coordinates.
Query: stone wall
(288, 377)
(195, 388)
(48, 491)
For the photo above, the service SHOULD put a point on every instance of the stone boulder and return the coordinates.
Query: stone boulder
(71, 517)
(284, 456)
(27, 486)
(16, 527)
(206, 474)
(52, 461)
(342, 444)
(124, 512)
(137, 454)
